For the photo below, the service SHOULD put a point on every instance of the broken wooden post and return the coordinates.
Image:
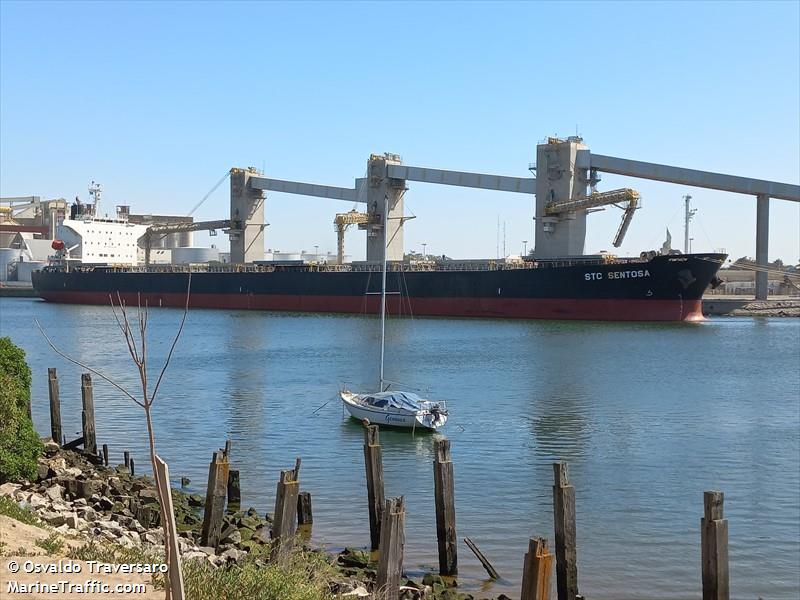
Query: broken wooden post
(215, 500)
(484, 561)
(390, 561)
(536, 571)
(564, 517)
(55, 406)
(234, 490)
(304, 515)
(228, 450)
(373, 462)
(284, 520)
(714, 548)
(126, 458)
(105, 454)
(174, 575)
(87, 417)
(131, 468)
(445, 508)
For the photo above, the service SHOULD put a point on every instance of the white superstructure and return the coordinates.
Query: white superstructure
(94, 240)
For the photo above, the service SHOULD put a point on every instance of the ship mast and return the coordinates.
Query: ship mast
(687, 216)
(383, 288)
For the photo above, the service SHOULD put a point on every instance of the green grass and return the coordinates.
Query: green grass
(11, 509)
(52, 544)
(304, 579)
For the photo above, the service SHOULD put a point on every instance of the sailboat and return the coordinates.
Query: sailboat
(392, 408)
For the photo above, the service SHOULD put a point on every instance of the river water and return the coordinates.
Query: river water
(647, 415)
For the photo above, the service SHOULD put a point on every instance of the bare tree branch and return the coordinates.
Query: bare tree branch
(87, 367)
(175, 341)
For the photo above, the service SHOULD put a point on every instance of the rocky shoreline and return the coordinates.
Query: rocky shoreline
(76, 496)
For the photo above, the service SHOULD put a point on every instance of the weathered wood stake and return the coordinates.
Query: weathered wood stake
(304, 514)
(714, 548)
(390, 561)
(536, 571)
(105, 454)
(126, 458)
(175, 575)
(234, 489)
(373, 462)
(87, 417)
(215, 500)
(564, 517)
(55, 406)
(484, 561)
(284, 522)
(445, 508)
(132, 468)
(228, 450)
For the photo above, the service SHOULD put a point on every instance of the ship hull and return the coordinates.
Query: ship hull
(666, 288)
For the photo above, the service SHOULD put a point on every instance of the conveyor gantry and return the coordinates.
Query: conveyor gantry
(625, 198)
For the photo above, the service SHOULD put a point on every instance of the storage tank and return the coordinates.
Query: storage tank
(8, 257)
(194, 255)
(25, 268)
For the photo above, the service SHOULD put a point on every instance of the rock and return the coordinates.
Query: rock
(42, 471)
(350, 557)
(112, 526)
(261, 536)
(37, 501)
(185, 481)
(8, 489)
(432, 579)
(208, 550)
(196, 500)
(105, 503)
(55, 492)
(51, 447)
(148, 496)
(72, 521)
(154, 537)
(88, 513)
(233, 555)
(359, 592)
(194, 555)
(52, 518)
(233, 538)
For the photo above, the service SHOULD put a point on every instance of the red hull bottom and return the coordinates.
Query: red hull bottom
(515, 308)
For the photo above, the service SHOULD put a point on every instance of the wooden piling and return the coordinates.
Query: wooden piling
(234, 489)
(445, 508)
(55, 406)
(484, 561)
(105, 454)
(87, 417)
(175, 575)
(714, 548)
(284, 521)
(126, 458)
(390, 561)
(228, 450)
(304, 514)
(132, 468)
(215, 500)
(536, 571)
(373, 463)
(564, 517)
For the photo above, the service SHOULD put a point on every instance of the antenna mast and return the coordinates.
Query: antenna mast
(688, 214)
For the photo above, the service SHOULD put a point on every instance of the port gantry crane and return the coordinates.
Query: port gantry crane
(565, 170)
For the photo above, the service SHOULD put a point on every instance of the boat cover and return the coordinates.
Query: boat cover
(401, 400)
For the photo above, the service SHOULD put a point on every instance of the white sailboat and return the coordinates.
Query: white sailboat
(393, 408)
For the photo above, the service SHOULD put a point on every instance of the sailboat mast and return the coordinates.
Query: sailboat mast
(383, 285)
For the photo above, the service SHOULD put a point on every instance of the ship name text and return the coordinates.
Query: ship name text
(616, 275)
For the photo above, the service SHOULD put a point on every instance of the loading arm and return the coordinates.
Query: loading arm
(626, 196)
(165, 228)
(342, 222)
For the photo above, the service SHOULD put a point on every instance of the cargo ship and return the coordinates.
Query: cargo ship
(653, 287)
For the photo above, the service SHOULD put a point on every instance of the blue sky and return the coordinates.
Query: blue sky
(157, 101)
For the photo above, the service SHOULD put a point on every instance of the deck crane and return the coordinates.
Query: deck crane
(342, 222)
(626, 196)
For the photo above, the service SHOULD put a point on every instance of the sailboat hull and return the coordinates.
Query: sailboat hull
(388, 417)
